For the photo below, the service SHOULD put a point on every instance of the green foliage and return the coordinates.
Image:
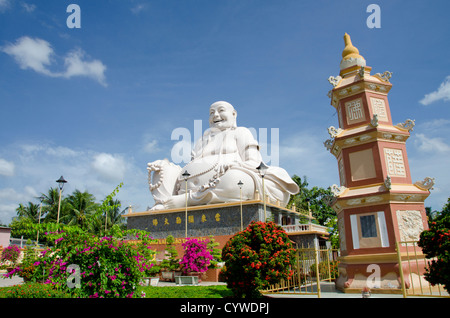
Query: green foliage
(332, 228)
(11, 254)
(32, 290)
(215, 252)
(78, 209)
(30, 211)
(257, 257)
(435, 243)
(108, 266)
(27, 268)
(80, 206)
(172, 262)
(196, 257)
(319, 199)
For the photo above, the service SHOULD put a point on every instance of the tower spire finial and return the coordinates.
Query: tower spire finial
(350, 54)
(349, 50)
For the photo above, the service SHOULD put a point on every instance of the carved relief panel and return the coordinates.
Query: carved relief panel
(395, 165)
(379, 108)
(355, 111)
(410, 225)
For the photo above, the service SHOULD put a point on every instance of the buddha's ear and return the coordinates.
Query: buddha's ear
(235, 117)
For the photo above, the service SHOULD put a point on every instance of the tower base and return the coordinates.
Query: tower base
(381, 273)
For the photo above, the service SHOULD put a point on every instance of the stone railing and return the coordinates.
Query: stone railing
(304, 228)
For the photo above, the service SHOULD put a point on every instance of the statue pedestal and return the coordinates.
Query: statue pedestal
(205, 220)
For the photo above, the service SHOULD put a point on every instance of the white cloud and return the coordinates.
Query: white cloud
(151, 146)
(28, 7)
(75, 66)
(138, 8)
(10, 193)
(4, 4)
(31, 53)
(110, 167)
(38, 55)
(6, 168)
(430, 144)
(38, 166)
(442, 93)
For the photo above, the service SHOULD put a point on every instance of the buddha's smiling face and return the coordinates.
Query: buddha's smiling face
(222, 116)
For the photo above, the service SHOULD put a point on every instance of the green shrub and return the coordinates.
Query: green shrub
(435, 243)
(257, 257)
(108, 266)
(172, 263)
(11, 254)
(196, 257)
(32, 290)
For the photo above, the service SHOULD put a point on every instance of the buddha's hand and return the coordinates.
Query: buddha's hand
(155, 165)
(222, 168)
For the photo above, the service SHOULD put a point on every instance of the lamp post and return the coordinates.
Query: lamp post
(41, 198)
(186, 176)
(61, 183)
(262, 168)
(240, 184)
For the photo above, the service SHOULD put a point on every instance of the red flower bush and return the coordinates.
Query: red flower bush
(257, 257)
(435, 244)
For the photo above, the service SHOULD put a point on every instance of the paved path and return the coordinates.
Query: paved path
(15, 280)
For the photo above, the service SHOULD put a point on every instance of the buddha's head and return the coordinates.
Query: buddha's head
(222, 115)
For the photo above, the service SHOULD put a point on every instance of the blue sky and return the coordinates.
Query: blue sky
(96, 103)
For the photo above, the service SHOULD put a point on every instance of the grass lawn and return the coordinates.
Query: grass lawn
(214, 291)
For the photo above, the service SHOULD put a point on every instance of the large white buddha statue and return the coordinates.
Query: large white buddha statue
(225, 156)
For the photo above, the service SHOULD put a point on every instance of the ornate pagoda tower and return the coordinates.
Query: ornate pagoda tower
(376, 202)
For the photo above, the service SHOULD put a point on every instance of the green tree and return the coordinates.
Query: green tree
(20, 226)
(30, 211)
(79, 206)
(106, 214)
(50, 205)
(257, 257)
(319, 200)
(332, 228)
(172, 262)
(435, 243)
(115, 213)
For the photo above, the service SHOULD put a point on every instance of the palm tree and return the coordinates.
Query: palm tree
(299, 199)
(30, 211)
(50, 205)
(79, 205)
(108, 215)
(115, 213)
(317, 197)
